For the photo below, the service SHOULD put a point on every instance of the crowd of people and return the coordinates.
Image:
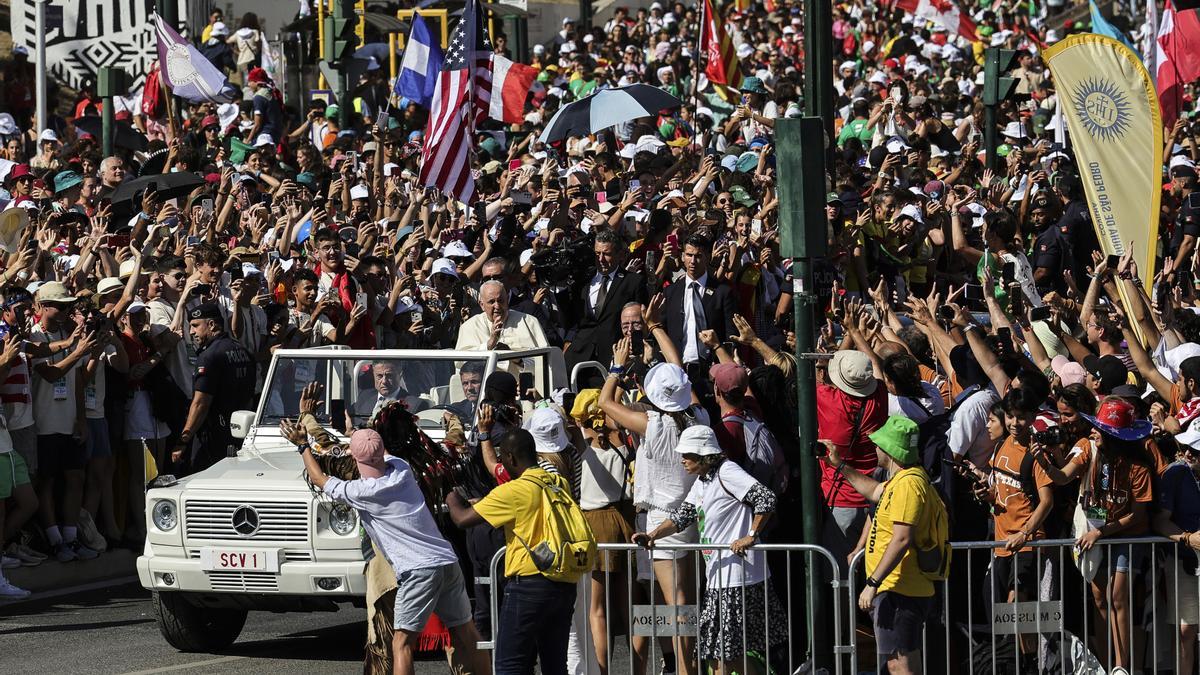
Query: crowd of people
(988, 369)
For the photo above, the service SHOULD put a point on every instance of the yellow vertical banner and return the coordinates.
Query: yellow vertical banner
(1112, 114)
(360, 28)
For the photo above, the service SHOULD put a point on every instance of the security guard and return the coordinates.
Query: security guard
(223, 383)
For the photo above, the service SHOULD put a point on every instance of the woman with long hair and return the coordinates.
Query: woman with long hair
(1115, 472)
(606, 498)
(660, 483)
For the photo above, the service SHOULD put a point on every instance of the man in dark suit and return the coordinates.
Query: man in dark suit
(697, 302)
(595, 309)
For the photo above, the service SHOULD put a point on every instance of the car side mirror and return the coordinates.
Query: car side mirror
(240, 423)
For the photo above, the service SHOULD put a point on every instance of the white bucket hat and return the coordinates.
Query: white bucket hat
(549, 433)
(668, 387)
(698, 439)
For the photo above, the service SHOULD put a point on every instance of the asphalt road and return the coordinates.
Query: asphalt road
(112, 630)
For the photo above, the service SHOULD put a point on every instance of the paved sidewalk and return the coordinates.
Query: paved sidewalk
(51, 575)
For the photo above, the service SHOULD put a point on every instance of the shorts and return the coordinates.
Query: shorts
(1017, 571)
(1123, 558)
(648, 520)
(24, 441)
(422, 592)
(899, 622)
(13, 473)
(1182, 588)
(612, 524)
(98, 443)
(58, 453)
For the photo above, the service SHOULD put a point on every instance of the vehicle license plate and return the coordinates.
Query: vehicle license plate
(250, 560)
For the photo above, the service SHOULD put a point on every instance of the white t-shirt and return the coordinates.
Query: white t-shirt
(722, 519)
(602, 479)
(93, 392)
(179, 361)
(54, 402)
(918, 410)
(968, 427)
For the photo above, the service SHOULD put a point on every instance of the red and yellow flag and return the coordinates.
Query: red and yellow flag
(722, 67)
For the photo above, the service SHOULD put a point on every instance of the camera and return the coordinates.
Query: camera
(1051, 436)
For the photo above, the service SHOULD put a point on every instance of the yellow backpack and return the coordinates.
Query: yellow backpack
(569, 550)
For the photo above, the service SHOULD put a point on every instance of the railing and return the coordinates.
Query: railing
(1055, 626)
(648, 623)
(1050, 624)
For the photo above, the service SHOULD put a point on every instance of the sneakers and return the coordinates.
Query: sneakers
(89, 534)
(10, 592)
(26, 555)
(8, 562)
(83, 552)
(63, 552)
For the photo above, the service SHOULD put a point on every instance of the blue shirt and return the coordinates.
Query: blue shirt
(1179, 493)
(392, 509)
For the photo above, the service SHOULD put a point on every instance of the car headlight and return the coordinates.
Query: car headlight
(342, 519)
(164, 515)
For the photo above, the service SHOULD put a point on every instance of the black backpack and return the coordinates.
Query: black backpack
(934, 441)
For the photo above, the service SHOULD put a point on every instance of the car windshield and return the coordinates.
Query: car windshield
(356, 387)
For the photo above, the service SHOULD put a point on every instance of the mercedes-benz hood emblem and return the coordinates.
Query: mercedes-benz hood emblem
(245, 520)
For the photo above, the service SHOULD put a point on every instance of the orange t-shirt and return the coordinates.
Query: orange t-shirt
(1116, 485)
(1014, 507)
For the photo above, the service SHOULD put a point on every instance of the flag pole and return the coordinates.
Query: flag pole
(700, 19)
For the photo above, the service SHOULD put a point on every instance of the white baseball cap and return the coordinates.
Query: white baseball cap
(456, 249)
(360, 192)
(48, 135)
(444, 266)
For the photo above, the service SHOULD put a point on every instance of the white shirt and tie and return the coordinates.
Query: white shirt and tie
(598, 291)
(694, 320)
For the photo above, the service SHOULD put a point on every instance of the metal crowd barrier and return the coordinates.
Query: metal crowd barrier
(648, 623)
(1053, 627)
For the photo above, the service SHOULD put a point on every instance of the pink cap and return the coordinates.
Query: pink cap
(1069, 372)
(366, 447)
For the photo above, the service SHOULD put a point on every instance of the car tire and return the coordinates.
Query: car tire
(189, 628)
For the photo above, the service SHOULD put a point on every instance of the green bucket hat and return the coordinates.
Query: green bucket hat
(741, 196)
(898, 438)
(238, 150)
(66, 180)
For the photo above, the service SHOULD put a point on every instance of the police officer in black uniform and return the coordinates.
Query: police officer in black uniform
(224, 383)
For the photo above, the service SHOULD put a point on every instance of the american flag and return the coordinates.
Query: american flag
(460, 100)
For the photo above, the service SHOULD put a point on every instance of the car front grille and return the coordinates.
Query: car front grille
(244, 582)
(279, 521)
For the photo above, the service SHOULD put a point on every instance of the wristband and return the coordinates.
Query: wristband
(302, 447)
(616, 370)
(872, 582)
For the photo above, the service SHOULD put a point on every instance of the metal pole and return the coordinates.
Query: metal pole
(800, 160)
(40, 77)
(989, 135)
(320, 40)
(818, 62)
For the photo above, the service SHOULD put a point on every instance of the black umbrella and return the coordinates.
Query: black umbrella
(167, 185)
(606, 108)
(124, 135)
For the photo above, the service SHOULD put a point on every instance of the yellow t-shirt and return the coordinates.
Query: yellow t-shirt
(516, 506)
(904, 501)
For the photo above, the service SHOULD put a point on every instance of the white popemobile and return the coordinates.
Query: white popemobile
(250, 532)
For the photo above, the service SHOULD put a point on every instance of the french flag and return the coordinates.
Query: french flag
(511, 83)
